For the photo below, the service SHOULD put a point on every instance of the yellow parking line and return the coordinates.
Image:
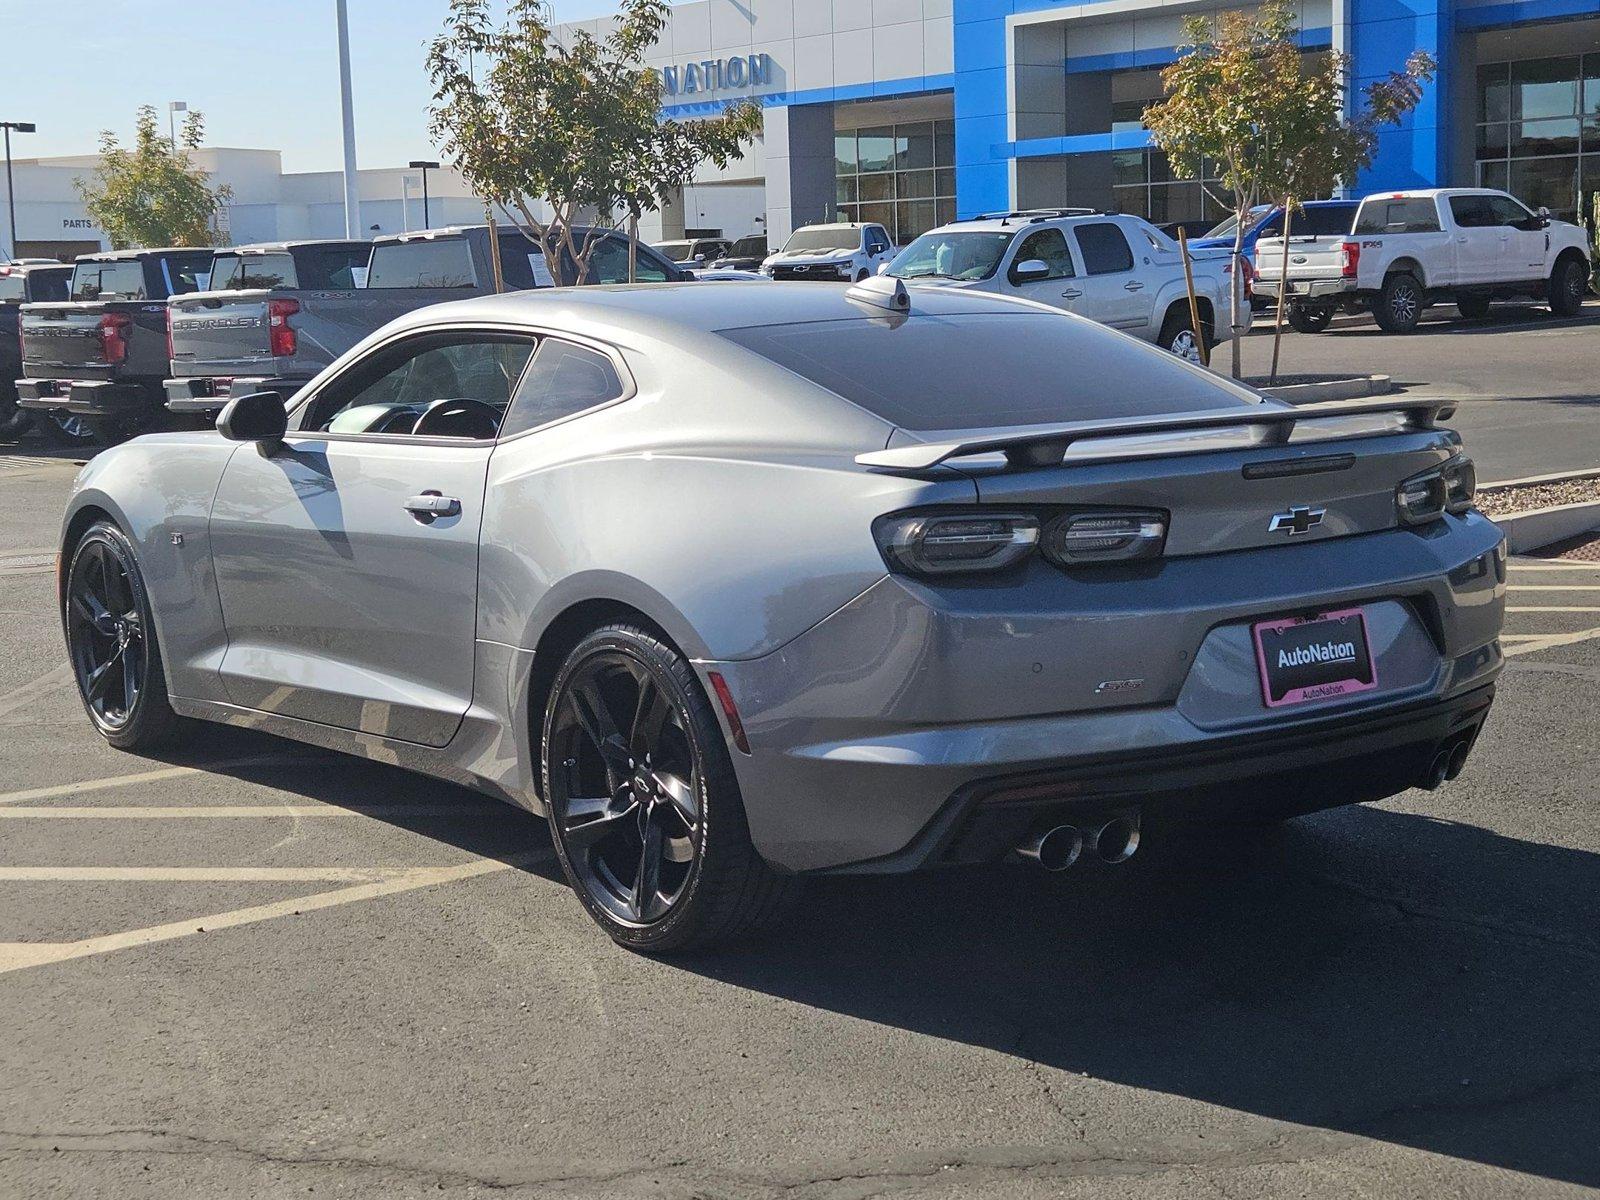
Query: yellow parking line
(201, 874)
(159, 776)
(151, 812)
(17, 956)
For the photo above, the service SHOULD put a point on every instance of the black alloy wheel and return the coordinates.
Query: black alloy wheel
(1568, 283)
(644, 808)
(1400, 304)
(60, 428)
(111, 644)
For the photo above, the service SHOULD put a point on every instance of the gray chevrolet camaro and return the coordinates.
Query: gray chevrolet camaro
(739, 582)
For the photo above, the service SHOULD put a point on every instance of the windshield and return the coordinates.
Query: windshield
(952, 254)
(939, 372)
(824, 237)
(1227, 227)
(749, 247)
(677, 251)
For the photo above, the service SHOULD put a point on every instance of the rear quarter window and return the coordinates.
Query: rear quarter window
(1415, 214)
(49, 285)
(1104, 248)
(185, 273)
(330, 269)
(941, 372)
(241, 272)
(432, 263)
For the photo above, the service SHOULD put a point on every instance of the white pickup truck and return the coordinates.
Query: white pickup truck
(1407, 250)
(1119, 270)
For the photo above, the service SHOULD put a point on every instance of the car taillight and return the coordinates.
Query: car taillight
(280, 333)
(114, 336)
(1349, 259)
(955, 543)
(169, 335)
(1450, 488)
(1077, 539)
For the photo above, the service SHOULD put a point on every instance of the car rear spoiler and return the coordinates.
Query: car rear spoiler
(1044, 445)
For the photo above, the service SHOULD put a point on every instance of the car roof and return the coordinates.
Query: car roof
(837, 225)
(144, 252)
(296, 244)
(1017, 221)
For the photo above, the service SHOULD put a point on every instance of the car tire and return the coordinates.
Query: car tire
(1177, 335)
(1568, 282)
(644, 808)
(861, 276)
(1400, 304)
(1473, 308)
(62, 430)
(1310, 318)
(112, 645)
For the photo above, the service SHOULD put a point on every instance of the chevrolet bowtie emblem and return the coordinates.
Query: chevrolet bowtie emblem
(1297, 520)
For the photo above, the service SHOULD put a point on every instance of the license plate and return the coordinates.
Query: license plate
(1314, 658)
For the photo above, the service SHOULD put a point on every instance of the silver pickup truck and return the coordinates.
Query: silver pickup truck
(276, 315)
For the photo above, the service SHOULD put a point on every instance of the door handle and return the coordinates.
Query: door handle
(1462, 239)
(1133, 287)
(430, 506)
(1071, 295)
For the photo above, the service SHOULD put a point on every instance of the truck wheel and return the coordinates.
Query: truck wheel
(59, 428)
(1568, 282)
(1400, 304)
(1473, 308)
(1177, 335)
(1309, 318)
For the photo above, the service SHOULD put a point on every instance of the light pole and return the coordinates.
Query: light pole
(425, 166)
(352, 198)
(174, 107)
(11, 191)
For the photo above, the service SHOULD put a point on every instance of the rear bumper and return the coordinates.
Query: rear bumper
(210, 394)
(1305, 289)
(873, 735)
(86, 398)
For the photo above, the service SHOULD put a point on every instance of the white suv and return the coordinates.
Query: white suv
(1119, 270)
(846, 251)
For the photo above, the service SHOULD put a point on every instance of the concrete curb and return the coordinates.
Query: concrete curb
(1536, 480)
(1334, 389)
(1540, 527)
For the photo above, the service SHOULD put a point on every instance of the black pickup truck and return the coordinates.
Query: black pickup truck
(19, 284)
(102, 355)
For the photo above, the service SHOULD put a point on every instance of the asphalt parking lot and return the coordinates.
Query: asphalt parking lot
(1529, 385)
(257, 969)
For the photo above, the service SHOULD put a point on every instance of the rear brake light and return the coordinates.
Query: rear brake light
(114, 336)
(1076, 539)
(1450, 488)
(955, 543)
(280, 333)
(170, 355)
(1349, 259)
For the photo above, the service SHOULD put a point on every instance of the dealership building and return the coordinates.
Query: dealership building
(911, 112)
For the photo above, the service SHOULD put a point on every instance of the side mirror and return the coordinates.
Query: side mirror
(1544, 215)
(259, 417)
(699, 260)
(1030, 270)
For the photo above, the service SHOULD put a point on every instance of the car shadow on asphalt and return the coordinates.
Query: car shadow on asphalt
(1368, 971)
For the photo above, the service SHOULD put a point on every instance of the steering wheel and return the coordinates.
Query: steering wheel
(458, 417)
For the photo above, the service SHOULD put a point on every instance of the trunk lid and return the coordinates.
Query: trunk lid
(221, 333)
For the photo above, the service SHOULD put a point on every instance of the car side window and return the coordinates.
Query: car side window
(1104, 248)
(877, 240)
(1413, 214)
(1471, 212)
(1049, 246)
(563, 381)
(1505, 211)
(608, 263)
(438, 385)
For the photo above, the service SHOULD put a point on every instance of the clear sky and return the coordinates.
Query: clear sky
(264, 72)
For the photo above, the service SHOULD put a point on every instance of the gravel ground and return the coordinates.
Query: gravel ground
(1497, 502)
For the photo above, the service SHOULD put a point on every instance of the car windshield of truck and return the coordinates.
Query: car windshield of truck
(1228, 226)
(678, 252)
(955, 254)
(243, 272)
(425, 263)
(1398, 214)
(940, 372)
(749, 247)
(844, 238)
(121, 279)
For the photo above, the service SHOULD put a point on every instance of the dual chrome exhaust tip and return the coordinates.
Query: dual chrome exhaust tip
(1112, 840)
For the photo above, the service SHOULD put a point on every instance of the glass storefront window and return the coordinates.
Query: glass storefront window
(1546, 182)
(844, 153)
(1531, 139)
(1539, 131)
(845, 189)
(875, 149)
(877, 187)
(915, 147)
(1544, 87)
(902, 176)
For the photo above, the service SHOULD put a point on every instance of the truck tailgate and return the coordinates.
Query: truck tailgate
(1309, 258)
(61, 337)
(220, 333)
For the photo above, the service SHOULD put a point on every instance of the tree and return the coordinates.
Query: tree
(526, 118)
(153, 194)
(1242, 100)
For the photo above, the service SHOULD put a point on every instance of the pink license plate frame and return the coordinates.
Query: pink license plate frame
(1328, 690)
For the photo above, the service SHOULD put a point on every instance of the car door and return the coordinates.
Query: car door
(1524, 242)
(1113, 292)
(880, 249)
(1058, 287)
(347, 559)
(1478, 239)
